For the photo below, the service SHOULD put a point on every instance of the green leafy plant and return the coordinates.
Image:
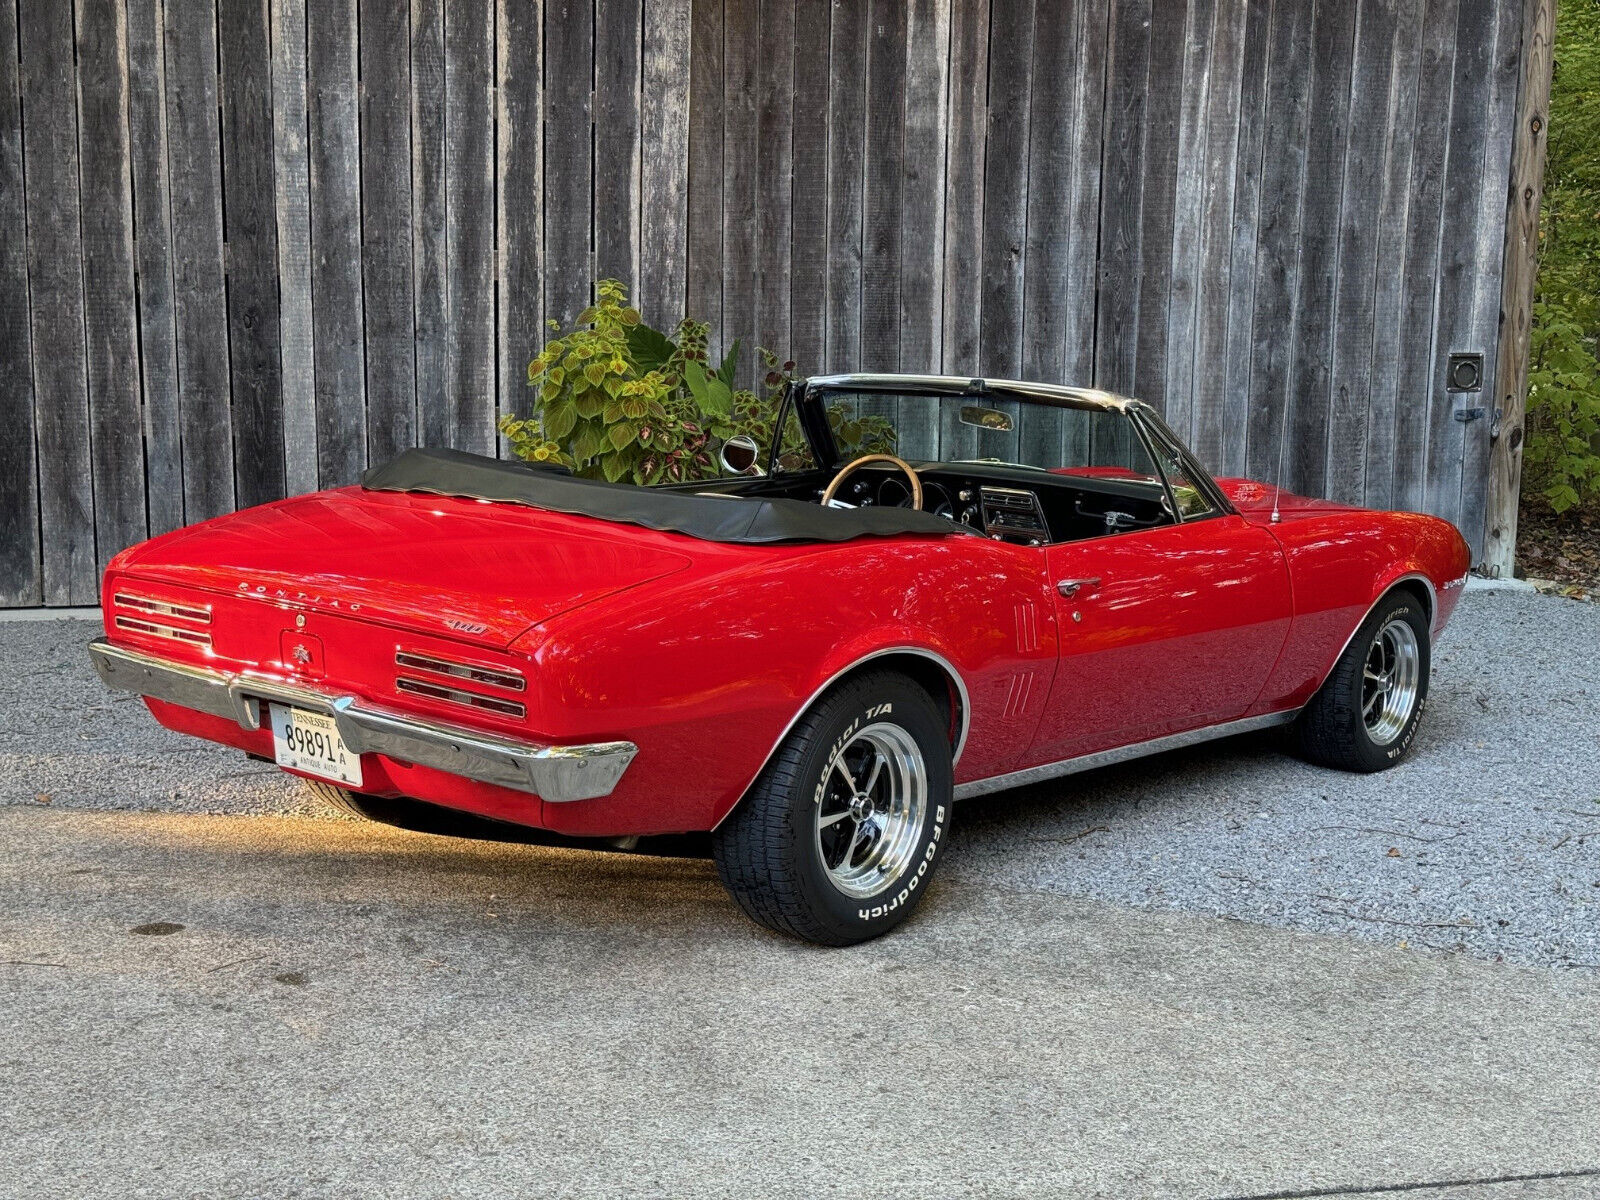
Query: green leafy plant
(1562, 456)
(616, 399)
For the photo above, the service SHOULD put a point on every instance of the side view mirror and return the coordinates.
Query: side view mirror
(741, 456)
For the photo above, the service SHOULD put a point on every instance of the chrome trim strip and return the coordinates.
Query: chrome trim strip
(194, 637)
(967, 385)
(554, 773)
(450, 695)
(937, 659)
(184, 612)
(1105, 758)
(501, 677)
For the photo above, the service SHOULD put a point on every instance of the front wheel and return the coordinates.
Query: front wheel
(1367, 711)
(837, 840)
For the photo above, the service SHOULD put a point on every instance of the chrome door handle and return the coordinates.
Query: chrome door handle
(1071, 587)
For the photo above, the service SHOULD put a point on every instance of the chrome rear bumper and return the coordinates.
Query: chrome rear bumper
(555, 773)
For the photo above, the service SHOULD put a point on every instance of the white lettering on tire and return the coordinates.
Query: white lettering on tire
(869, 914)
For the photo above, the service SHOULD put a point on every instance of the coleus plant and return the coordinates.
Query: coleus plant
(618, 400)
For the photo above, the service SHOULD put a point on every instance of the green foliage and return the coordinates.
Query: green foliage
(1562, 457)
(617, 400)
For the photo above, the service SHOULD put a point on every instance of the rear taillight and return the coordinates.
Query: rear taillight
(168, 619)
(459, 683)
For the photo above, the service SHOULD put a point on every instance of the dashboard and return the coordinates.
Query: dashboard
(1057, 509)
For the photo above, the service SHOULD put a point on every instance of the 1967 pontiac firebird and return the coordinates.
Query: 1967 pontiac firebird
(812, 659)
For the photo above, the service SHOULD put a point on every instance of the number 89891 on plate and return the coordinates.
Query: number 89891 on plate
(310, 742)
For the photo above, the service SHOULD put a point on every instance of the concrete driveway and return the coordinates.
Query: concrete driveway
(353, 1010)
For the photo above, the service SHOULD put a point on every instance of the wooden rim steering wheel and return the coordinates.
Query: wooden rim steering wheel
(850, 467)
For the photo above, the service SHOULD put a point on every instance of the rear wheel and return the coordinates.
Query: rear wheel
(1367, 711)
(354, 804)
(837, 840)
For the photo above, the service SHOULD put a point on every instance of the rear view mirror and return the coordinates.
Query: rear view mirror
(740, 454)
(985, 418)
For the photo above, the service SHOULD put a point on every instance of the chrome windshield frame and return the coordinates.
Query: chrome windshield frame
(809, 397)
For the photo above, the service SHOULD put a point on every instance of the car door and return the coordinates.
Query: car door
(1162, 630)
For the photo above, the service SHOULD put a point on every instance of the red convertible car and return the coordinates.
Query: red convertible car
(810, 658)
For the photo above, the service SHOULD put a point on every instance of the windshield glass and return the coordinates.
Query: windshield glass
(953, 429)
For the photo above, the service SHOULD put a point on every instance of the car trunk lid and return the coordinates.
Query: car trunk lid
(439, 565)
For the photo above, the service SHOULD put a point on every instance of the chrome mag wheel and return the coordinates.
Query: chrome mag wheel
(1390, 681)
(873, 807)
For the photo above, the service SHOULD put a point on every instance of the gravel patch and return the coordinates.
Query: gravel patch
(66, 740)
(1485, 841)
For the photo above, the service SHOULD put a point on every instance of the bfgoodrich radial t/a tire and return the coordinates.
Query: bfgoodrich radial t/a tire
(354, 804)
(837, 840)
(1367, 711)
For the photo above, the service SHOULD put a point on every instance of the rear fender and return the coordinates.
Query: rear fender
(848, 663)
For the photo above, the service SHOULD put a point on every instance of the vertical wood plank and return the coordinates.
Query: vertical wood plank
(1393, 238)
(1178, 54)
(1351, 362)
(338, 316)
(774, 179)
(1208, 365)
(1423, 222)
(922, 198)
(469, 216)
(1005, 217)
(617, 25)
(1183, 241)
(963, 188)
(921, 315)
(1121, 173)
(55, 281)
(1088, 54)
(881, 197)
(1237, 367)
(703, 283)
(20, 572)
(254, 355)
(847, 132)
(1049, 157)
(741, 144)
(1333, 35)
(110, 322)
(1488, 313)
(291, 184)
(1517, 287)
(519, 137)
(1278, 237)
(808, 241)
(569, 64)
(1005, 189)
(199, 293)
(390, 353)
(1458, 258)
(437, 421)
(158, 351)
(664, 166)
(1050, 154)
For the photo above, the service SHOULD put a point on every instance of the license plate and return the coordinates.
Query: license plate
(310, 742)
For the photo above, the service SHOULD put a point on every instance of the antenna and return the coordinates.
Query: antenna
(1283, 446)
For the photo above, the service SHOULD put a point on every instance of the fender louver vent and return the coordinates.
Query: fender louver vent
(504, 679)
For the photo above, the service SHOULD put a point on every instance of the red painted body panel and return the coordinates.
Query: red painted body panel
(703, 653)
(421, 562)
(1182, 631)
(1341, 560)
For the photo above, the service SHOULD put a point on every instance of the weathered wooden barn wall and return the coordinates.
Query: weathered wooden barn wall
(249, 246)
